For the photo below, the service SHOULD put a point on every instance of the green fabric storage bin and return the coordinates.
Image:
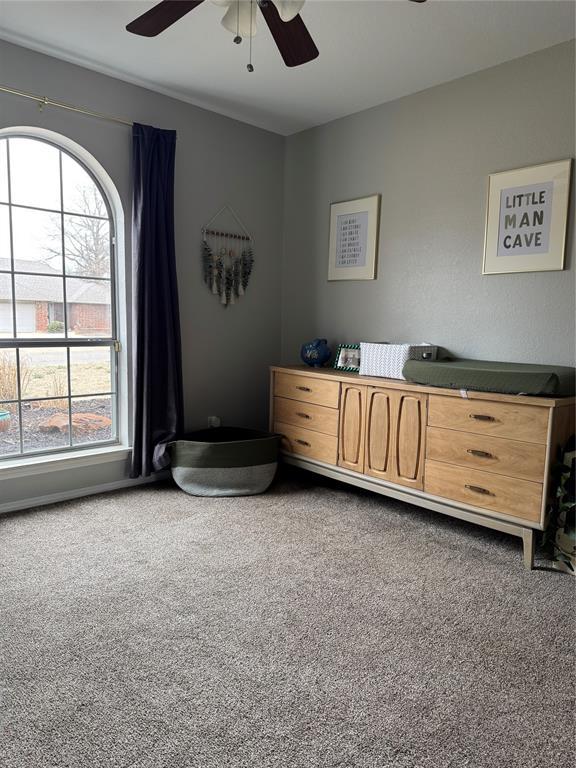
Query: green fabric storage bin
(226, 461)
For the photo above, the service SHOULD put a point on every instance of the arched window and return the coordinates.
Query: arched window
(58, 310)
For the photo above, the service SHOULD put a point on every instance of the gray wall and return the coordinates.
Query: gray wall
(429, 155)
(226, 351)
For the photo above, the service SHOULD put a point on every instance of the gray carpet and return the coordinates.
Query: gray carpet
(312, 626)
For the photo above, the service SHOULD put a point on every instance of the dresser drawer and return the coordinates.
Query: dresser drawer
(316, 417)
(508, 495)
(528, 423)
(309, 389)
(493, 454)
(305, 442)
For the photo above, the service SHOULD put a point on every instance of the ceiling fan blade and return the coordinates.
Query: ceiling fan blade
(161, 16)
(292, 37)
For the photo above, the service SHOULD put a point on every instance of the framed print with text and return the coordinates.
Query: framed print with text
(354, 239)
(526, 219)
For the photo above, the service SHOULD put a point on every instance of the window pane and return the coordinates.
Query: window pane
(45, 425)
(89, 307)
(6, 313)
(9, 429)
(39, 306)
(92, 420)
(5, 256)
(43, 372)
(34, 173)
(87, 246)
(3, 171)
(90, 370)
(55, 281)
(81, 195)
(37, 239)
(8, 375)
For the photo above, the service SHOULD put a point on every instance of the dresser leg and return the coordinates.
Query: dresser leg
(529, 543)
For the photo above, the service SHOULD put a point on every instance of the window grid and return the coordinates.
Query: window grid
(53, 210)
(48, 274)
(68, 343)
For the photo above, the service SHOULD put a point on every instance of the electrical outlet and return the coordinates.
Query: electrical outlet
(214, 421)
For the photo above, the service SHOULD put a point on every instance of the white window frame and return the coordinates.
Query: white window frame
(84, 456)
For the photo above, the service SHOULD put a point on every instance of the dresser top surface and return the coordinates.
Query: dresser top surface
(377, 381)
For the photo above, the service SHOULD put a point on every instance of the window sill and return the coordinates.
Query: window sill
(37, 465)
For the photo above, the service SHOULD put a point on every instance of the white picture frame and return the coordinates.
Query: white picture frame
(354, 226)
(526, 219)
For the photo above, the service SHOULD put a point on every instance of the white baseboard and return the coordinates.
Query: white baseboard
(77, 493)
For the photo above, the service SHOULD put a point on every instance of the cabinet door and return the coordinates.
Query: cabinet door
(352, 414)
(409, 436)
(379, 433)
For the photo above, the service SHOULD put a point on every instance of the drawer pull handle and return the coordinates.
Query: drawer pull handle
(478, 489)
(304, 389)
(303, 415)
(480, 454)
(303, 442)
(481, 417)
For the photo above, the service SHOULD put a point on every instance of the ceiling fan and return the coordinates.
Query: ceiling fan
(282, 17)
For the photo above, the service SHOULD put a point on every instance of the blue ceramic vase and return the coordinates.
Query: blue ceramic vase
(315, 353)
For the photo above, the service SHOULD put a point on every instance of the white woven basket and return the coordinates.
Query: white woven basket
(387, 360)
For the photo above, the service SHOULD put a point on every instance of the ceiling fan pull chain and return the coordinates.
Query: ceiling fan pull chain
(238, 39)
(250, 68)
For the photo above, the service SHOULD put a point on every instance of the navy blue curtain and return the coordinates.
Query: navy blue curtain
(157, 363)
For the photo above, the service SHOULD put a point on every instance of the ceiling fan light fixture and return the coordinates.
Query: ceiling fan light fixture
(288, 9)
(237, 17)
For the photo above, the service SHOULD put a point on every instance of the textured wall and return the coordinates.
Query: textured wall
(429, 155)
(218, 160)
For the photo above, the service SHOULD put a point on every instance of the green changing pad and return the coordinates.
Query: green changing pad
(486, 376)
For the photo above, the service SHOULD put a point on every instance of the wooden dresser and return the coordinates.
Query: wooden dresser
(481, 457)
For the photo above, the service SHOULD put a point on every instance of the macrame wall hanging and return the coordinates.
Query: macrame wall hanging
(227, 257)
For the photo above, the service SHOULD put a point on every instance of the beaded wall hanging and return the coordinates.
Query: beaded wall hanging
(227, 258)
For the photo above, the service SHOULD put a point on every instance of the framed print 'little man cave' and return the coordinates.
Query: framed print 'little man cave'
(526, 219)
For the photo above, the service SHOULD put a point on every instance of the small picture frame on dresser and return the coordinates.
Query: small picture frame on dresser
(348, 358)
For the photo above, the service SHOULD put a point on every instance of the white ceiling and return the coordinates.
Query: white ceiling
(370, 52)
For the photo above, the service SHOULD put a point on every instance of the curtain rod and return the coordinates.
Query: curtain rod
(44, 101)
